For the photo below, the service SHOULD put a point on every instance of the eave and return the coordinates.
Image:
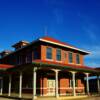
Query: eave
(64, 45)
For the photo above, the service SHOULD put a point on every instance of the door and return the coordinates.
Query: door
(51, 87)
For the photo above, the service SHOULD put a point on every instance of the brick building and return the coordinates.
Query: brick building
(45, 67)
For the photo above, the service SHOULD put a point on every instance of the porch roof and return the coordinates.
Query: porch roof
(58, 65)
(52, 65)
(5, 66)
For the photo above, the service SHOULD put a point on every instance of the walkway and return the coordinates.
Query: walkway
(90, 98)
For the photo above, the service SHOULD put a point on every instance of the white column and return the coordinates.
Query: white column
(73, 79)
(98, 84)
(9, 88)
(1, 86)
(87, 83)
(56, 83)
(34, 83)
(20, 85)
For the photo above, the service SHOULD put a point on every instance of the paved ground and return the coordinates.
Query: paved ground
(92, 98)
(5, 99)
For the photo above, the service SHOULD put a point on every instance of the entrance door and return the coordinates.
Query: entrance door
(51, 87)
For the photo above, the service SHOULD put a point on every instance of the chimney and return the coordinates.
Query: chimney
(20, 44)
(4, 53)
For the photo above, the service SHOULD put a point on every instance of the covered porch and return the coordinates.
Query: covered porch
(42, 79)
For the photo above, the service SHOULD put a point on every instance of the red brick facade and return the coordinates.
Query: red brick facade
(29, 55)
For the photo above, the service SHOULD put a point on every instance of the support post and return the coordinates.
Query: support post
(20, 85)
(34, 83)
(98, 84)
(1, 86)
(9, 88)
(56, 83)
(73, 79)
(87, 83)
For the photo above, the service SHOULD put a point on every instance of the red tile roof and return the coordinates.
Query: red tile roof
(64, 65)
(57, 41)
(5, 66)
(49, 39)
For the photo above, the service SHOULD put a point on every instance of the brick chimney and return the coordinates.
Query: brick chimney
(20, 44)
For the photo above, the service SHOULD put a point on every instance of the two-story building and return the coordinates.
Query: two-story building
(45, 67)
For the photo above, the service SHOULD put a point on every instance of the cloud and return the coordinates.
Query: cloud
(95, 51)
(91, 30)
(88, 26)
(94, 58)
(58, 15)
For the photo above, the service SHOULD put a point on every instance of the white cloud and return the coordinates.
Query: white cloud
(91, 31)
(95, 51)
(94, 58)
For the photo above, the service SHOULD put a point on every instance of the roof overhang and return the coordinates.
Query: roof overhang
(62, 45)
(42, 65)
(5, 66)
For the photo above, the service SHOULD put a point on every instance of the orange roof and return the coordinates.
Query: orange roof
(5, 66)
(57, 42)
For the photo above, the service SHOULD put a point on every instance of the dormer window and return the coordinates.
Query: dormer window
(58, 54)
(49, 53)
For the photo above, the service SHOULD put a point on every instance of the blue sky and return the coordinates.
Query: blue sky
(76, 22)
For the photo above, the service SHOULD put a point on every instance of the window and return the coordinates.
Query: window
(36, 54)
(65, 55)
(58, 55)
(70, 57)
(28, 57)
(18, 60)
(77, 58)
(49, 53)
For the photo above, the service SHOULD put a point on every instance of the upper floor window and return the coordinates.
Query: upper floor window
(77, 58)
(36, 54)
(28, 57)
(70, 57)
(49, 53)
(58, 54)
(19, 59)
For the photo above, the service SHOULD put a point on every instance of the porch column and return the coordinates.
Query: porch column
(20, 85)
(73, 79)
(87, 83)
(1, 86)
(9, 88)
(34, 83)
(98, 84)
(56, 83)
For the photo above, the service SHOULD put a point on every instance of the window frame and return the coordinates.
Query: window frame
(70, 60)
(77, 58)
(58, 55)
(50, 56)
